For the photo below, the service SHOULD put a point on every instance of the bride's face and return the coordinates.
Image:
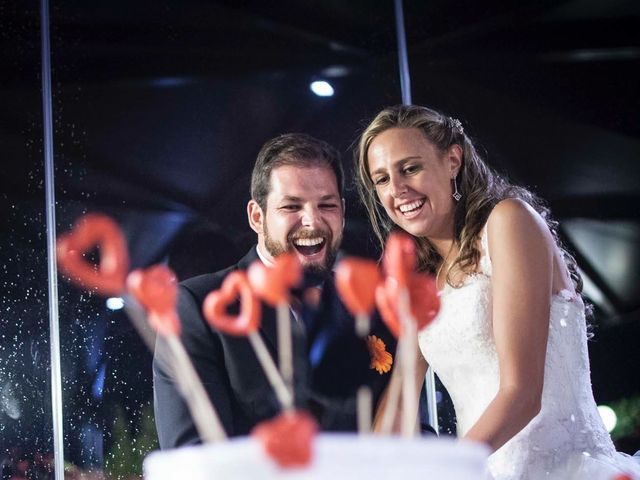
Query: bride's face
(413, 181)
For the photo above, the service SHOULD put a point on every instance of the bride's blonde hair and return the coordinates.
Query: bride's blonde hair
(481, 188)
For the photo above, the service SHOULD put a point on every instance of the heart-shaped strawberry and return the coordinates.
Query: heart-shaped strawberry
(356, 281)
(288, 438)
(387, 307)
(423, 297)
(273, 283)
(91, 231)
(156, 289)
(216, 303)
(399, 258)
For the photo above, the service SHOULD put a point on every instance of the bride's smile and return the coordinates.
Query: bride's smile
(412, 180)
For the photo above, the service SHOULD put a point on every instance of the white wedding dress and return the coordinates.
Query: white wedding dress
(567, 439)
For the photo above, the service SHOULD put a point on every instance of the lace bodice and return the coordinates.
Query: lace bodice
(460, 347)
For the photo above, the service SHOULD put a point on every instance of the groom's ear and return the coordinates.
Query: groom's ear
(454, 157)
(255, 216)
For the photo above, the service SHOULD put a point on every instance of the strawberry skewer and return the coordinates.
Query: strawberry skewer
(246, 323)
(108, 277)
(157, 291)
(399, 262)
(356, 282)
(408, 302)
(272, 285)
(288, 438)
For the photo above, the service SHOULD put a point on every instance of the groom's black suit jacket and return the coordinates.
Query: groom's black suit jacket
(330, 363)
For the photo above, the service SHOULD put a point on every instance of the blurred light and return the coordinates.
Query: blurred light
(336, 71)
(9, 403)
(322, 88)
(115, 303)
(98, 384)
(169, 82)
(609, 417)
(594, 55)
(594, 294)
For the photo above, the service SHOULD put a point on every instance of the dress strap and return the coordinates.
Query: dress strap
(485, 260)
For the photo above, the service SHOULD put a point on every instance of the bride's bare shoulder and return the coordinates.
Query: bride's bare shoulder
(513, 212)
(513, 221)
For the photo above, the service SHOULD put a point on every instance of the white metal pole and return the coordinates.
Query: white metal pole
(50, 210)
(405, 86)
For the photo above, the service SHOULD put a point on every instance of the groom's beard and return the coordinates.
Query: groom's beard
(323, 267)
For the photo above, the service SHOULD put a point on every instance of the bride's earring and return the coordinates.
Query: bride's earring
(456, 194)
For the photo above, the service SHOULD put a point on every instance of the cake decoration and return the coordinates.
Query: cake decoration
(356, 282)
(91, 231)
(407, 301)
(288, 438)
(246, 323)
(155, 289)
(273, 284)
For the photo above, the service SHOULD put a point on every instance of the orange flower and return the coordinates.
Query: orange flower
(381, 360)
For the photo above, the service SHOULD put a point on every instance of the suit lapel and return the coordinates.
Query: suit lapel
(268, 328)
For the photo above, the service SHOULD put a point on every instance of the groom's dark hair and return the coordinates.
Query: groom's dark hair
(297, 149)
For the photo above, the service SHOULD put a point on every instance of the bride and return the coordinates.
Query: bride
(510, 341)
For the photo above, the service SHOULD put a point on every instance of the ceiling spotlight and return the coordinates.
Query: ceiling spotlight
(115, 303)
(322, 88)
(609, 417)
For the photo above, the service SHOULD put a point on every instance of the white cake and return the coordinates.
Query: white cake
(336, 457)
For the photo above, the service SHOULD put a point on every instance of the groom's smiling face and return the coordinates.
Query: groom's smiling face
(304, 214)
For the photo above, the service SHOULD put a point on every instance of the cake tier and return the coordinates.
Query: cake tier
(336, 456)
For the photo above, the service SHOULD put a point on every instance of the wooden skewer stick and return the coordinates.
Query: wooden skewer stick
(204, 416)
(365, 407)
(408, 359)
(363, 325)
(364, 399)
(271, 371)
(138, 318)
(285, 347)
(393, 397)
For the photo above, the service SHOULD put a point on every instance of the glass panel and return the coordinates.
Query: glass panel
(611, 248)
(547, 96)
(26, 439)
(160, 110)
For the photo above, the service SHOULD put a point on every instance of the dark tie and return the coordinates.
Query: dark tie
(305, 303)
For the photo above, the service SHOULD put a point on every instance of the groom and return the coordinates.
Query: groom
(296, 206)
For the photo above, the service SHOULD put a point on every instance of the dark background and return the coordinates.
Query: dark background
(160, 108)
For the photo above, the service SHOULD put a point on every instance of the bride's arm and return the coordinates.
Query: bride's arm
(521, 249)
(383, 403)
